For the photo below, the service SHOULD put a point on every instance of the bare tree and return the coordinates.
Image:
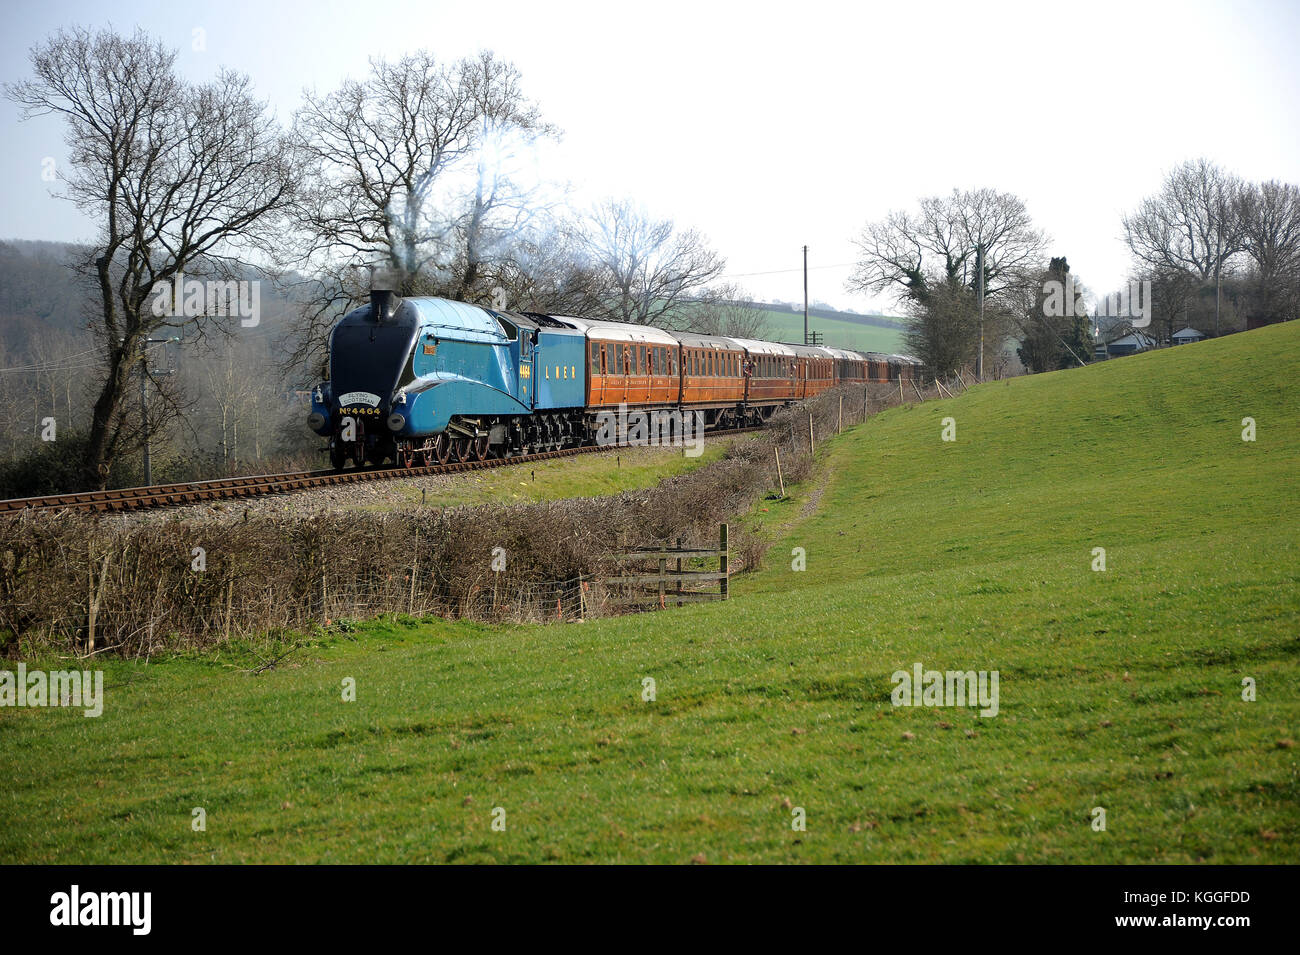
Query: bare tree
(1270, 221)
(419, 169)
(179, 175)
(651, 269)
(724, 309)
(909, 253)
(506, 201)
(548, 270)
(929, 260)
(1192, 224)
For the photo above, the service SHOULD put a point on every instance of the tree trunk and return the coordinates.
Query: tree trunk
(102, 444)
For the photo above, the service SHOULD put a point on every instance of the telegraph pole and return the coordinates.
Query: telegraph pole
(979, 264)
(805, 295)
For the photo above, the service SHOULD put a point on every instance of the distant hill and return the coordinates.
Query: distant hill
(880, 333)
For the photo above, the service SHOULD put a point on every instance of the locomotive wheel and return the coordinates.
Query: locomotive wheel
(338, 457)
(480, 449)
(462, 449)
(442, 448)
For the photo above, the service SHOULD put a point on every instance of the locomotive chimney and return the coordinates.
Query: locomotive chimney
(381, 304)
(383, 298)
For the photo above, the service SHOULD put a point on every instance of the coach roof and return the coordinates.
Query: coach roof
(693, 340)
(620, 331)
(756, 347)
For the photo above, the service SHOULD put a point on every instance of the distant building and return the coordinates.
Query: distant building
(1128, 345)
(1186, 336)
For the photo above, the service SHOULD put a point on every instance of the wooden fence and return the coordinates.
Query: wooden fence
(671, 585)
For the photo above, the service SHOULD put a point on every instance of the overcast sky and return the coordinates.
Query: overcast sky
(771, 126)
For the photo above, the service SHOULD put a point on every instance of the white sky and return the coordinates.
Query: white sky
(768, 126)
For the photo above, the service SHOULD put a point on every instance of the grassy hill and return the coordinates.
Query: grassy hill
(1119, 689)
(787, 326)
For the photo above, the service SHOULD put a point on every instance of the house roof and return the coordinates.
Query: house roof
(1188, 332)
(1137, 339)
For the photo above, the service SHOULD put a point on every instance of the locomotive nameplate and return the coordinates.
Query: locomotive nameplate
(359, 398)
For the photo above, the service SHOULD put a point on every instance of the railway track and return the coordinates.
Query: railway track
(199, 492)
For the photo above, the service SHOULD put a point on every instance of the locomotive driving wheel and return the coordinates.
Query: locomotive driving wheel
(480, 448)
(463, 448)
(442, 448)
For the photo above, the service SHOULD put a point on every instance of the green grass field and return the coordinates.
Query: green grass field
(787, 326)
(1119, 689)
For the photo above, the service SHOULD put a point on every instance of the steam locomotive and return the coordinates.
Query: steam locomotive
(417, 381)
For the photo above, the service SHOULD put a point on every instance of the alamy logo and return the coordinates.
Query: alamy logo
(103, 908)
(191, 298)
(72, 688)
(1065, 300)
(924, 687)
(652, 429)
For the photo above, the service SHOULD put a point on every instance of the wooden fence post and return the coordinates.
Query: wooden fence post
(839, 424)
(811, 448)
(724, 563)
(94, 595)
(779, 479)
(679, 573)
